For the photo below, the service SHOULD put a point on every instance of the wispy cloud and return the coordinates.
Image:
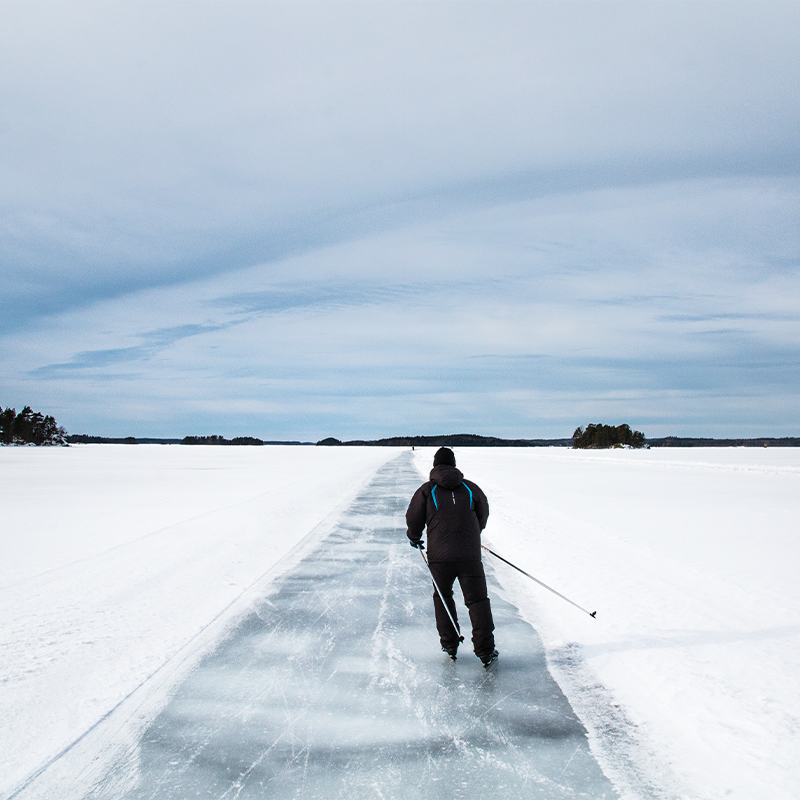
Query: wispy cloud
(743, 316)
(153, 342)
(340, 217)
(305, 296)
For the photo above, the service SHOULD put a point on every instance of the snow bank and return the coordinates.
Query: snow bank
(687, 680)
(117, 557)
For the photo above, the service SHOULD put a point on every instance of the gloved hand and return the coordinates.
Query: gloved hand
(418, 544)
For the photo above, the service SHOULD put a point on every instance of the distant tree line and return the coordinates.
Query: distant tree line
(83, 438)
(693, 441)
(238, 440)
(449, 440)
(599, 436)
(29, 427)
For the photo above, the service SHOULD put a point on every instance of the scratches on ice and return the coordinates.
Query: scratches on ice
(335, 687)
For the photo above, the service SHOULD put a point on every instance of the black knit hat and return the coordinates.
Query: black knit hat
(444, 455)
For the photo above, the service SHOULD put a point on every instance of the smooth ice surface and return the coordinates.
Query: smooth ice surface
(335, 686)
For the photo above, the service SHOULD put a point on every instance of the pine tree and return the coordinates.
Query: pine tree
(30, 427)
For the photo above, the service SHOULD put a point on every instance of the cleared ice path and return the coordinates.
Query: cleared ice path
(335, 687)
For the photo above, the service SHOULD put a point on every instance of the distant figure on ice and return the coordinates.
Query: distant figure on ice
(455, 512)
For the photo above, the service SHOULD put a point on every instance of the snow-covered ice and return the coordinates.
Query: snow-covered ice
(689, 674)
(121, 562)
(117, 558)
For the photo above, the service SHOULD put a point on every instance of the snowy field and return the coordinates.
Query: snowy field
(689, 675)
(121, 562)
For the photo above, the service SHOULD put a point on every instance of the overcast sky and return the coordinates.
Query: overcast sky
(296, 220)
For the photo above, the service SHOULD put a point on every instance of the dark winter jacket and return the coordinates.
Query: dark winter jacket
(455, 512)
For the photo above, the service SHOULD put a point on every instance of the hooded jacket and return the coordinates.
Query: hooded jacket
(455, 512)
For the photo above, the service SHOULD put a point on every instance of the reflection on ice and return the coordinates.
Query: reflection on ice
(335, 687)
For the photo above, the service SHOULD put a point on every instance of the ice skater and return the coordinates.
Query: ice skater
(455, 512)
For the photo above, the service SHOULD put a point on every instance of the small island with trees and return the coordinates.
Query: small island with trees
(597, 437)
(29, 427)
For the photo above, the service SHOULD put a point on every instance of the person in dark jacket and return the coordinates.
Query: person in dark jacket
(455, 511)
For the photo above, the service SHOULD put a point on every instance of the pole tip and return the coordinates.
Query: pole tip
(460, 638)
(593, 615)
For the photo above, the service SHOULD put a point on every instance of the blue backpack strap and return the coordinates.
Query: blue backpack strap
(433, 497)
(470, 494)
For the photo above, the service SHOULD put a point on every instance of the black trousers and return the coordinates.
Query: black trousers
(472, 580)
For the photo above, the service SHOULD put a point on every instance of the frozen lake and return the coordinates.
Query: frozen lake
(335, 687)
(141, 587)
